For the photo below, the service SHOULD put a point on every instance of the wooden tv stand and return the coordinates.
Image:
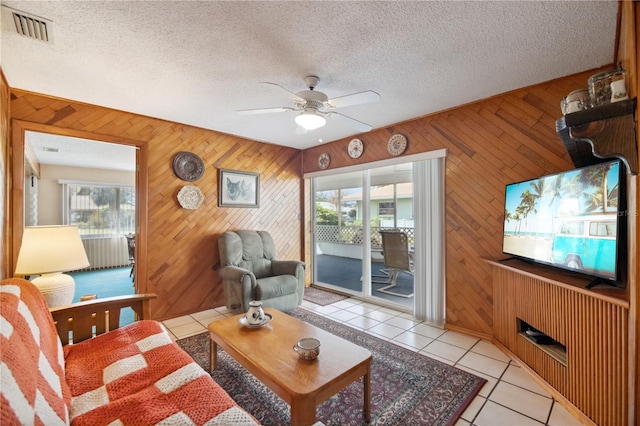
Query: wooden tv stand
(586, 360)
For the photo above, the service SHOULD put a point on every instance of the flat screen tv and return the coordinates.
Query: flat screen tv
(571, 220)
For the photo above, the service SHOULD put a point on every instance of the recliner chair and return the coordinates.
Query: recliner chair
(251, 272)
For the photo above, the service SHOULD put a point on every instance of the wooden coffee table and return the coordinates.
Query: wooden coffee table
(267, 353)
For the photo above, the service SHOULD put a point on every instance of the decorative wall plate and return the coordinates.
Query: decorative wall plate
(397, 144)
(188, 166)
(324, 160)
(355, 148)
(190, 197)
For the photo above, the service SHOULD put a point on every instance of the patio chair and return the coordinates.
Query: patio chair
(251, 272)
(397, 259)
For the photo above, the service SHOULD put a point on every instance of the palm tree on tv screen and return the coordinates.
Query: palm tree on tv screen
(527, 205)
(539, 189)
(601, 197)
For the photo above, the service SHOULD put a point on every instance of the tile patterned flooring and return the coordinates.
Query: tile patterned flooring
(510, 397)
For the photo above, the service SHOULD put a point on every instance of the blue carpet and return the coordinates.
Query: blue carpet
(106, 283)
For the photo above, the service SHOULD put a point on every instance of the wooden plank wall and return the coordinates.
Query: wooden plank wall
(4, 182)
(628, 53)
(181, 250)
(490, 143)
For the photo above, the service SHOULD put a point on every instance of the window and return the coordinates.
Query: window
(602, 229)
(572, 228)
(100, 210)
(386, 208)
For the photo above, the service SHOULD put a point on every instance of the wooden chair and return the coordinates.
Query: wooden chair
(84, 320)
(397, 259)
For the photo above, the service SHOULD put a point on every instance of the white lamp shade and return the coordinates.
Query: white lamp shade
(47, 249)
(310, 119)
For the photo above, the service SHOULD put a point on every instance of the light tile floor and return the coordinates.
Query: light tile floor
(510, 396)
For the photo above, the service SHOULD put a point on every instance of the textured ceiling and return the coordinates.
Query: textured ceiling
(76, 152)
(199, 62)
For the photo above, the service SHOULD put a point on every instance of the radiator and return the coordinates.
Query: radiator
(106, 252)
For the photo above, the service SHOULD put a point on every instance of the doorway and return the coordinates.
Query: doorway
(91, 185)
(105, 172)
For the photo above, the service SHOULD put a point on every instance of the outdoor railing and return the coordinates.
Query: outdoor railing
(353, 235)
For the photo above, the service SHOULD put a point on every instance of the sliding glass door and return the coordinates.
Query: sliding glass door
(391, 207)
(350, 210)
(338, 232)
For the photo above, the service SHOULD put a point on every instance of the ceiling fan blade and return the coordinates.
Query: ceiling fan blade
(264, 110)
(348, 121)
(289, 92)
(365, 97)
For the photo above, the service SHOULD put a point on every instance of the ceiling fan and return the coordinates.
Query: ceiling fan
(315, 107)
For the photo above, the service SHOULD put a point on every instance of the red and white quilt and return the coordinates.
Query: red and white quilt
(135, 375)
(138, 375)
(33, 390)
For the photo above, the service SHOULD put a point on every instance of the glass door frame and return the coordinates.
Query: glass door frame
(429, 301)
(367, 213)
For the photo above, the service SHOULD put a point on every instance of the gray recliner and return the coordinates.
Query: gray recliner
(251, 272)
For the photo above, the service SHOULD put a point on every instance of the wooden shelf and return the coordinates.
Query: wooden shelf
(594, 135)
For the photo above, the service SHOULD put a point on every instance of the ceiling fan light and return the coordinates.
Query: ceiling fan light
(310, 120)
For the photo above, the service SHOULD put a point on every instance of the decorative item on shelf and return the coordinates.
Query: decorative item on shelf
(324, 160)
(307, 348)
(238, 189)
(49, 251)
(577, 100)
(190, 197)
(619, 86)
(355, 148)
(600, 87)
(396, 144)
(188, 166)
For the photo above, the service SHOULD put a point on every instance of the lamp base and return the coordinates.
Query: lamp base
(57, 288)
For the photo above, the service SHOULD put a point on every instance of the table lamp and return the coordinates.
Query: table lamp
(49, 251)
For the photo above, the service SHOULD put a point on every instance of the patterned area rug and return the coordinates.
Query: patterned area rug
(321, 297)
(406, 388)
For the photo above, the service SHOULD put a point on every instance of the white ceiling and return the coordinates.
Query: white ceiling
(76, 152)
(198, 62)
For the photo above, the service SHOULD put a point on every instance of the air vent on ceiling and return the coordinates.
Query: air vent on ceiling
(28, 25)
(49, 149)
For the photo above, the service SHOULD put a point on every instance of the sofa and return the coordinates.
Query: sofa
(133, 375)
(250, 271)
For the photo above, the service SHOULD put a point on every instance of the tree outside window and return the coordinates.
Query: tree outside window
(102, 211)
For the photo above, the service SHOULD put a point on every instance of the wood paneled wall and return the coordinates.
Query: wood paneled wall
(4, 182)
(628, 53)
(181, 252)
(490, 143)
